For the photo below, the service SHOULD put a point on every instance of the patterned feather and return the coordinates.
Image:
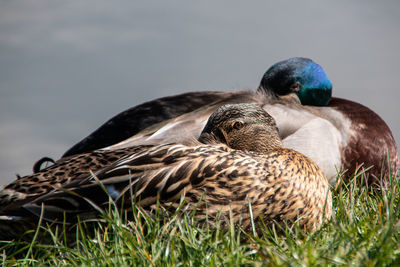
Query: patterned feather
(338, 134)
(240, 162)
(281, 185)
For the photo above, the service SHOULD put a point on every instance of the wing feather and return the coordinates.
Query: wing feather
(162, 172)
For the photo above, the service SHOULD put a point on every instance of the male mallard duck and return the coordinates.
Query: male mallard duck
(338, 136)
(281, 184)
(296, 75)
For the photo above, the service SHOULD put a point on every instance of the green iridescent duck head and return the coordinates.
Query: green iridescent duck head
(246, 127)
(301, 76)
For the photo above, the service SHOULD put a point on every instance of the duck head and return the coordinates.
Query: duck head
(242, 126)
(301, 76)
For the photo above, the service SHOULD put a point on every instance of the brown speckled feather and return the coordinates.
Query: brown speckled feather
(61, 173)
(281, 185)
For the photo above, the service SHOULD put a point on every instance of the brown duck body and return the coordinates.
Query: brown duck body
(63, 172)
(338, 137)
(279, 184)
(371, 142)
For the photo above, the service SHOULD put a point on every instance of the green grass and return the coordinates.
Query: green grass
(364, 231)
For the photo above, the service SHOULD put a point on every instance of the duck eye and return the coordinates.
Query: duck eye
(296, 87)
(238, 125)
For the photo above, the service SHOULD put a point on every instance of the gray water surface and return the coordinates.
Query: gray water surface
(68, 66)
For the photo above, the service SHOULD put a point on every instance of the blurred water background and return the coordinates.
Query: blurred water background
(68, 66)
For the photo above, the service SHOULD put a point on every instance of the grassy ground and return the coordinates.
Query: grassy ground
(364, 231)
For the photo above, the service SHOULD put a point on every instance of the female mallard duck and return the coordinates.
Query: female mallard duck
(281, 184)
(338, 136)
